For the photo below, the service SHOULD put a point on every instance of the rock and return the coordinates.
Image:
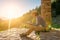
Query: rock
(14, 34)
(52, 35)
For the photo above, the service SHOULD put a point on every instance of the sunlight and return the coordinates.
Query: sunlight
(12, 12)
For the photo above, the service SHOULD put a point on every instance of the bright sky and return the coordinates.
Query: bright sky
(16, 8)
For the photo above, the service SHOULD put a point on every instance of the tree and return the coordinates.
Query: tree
(46, 11)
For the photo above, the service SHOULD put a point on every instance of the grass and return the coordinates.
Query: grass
(56, 26)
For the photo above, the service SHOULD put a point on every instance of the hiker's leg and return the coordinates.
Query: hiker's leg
(31, 28)
(39, 28)
(29, 31)
(34, 28)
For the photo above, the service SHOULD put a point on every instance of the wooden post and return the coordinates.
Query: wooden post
(46, 11)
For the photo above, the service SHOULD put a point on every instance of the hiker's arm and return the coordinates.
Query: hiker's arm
(32, 24)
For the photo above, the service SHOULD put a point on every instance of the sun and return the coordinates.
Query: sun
(10, 11)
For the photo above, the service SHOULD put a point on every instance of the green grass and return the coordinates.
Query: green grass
(55, 25)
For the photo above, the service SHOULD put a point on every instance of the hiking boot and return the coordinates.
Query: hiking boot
(23, 35)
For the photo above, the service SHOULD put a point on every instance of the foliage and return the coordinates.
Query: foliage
(55, 12)
(55, 8)
(55, 25)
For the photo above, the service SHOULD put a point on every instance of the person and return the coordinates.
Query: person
(39, 24)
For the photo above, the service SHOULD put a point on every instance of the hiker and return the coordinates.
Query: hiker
(39, 24)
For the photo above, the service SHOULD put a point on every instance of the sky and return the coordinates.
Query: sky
(16, 8)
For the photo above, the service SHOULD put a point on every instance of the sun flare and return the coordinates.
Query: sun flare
(11, 11)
